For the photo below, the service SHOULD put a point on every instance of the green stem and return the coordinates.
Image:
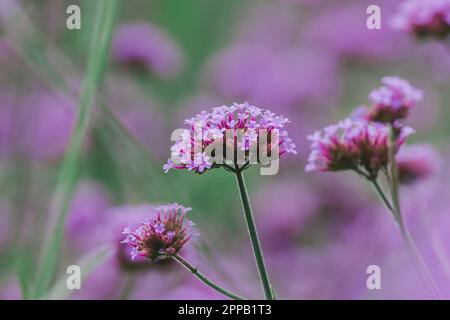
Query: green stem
(264, 276)
(392, 177)
(410, 244)
(67, 176)
(204, 279)
(382, 196)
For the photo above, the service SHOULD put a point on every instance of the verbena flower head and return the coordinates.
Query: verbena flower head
(237, 134)
(352, 145)
(393, 100)
(424, 18)
(416, 162)
(162, 236)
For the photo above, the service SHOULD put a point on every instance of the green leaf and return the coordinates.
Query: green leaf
(106, 13)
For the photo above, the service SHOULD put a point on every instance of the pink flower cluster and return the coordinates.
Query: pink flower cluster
(352, 145)
(392, 101)
(236, 127)
(160, 237)
(424, 18)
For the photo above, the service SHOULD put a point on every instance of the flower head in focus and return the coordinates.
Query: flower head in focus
(236, 134)
(162, 236)
(353, 145)
(146, 46)
(424, 18)
(416, 162)
(392, 101)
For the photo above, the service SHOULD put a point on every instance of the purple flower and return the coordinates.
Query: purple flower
(45, 124)
(146, 46)
(285, 77)
(239, 126)
(90, 202)
(352, 145)
(424, 18)
(352, 40)
(417, 162)
(282, 225)
(162, 236)
(393, 100)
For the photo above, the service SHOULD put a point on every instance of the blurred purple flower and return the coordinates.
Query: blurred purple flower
(352, 39)
(146, 46)
(393, 100)
(282, 225)
(273, 76)
(45, 125)
(424, 18)
(88, 205)
(10, 290)
(284, 29)
(416, 162)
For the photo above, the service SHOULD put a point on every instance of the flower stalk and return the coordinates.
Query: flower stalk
(204, 279)
(396, 211)
(254, 239)
(393, 207)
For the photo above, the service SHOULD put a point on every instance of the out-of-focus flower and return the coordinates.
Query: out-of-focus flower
(239, 126)
(424, 18)
(351, 145)
(45, 123)
(280, 226)
(417, 162)
(352, 40)
(286, 77)
(161, 237)
(10, 290)
(146, 46)
(282, 32)
(88, 205)
(393, 100)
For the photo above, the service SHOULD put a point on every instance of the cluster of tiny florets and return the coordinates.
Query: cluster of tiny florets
(235, 127)
(351, 145)
(162, 236)
(391, 101)
(424, 18)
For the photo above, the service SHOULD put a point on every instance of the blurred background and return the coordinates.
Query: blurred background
(311, 61)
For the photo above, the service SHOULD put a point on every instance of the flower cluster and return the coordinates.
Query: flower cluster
(236, 134)
(424, 18)
(416, 162)
(161, 237)
(392, 101)
(352, 145)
